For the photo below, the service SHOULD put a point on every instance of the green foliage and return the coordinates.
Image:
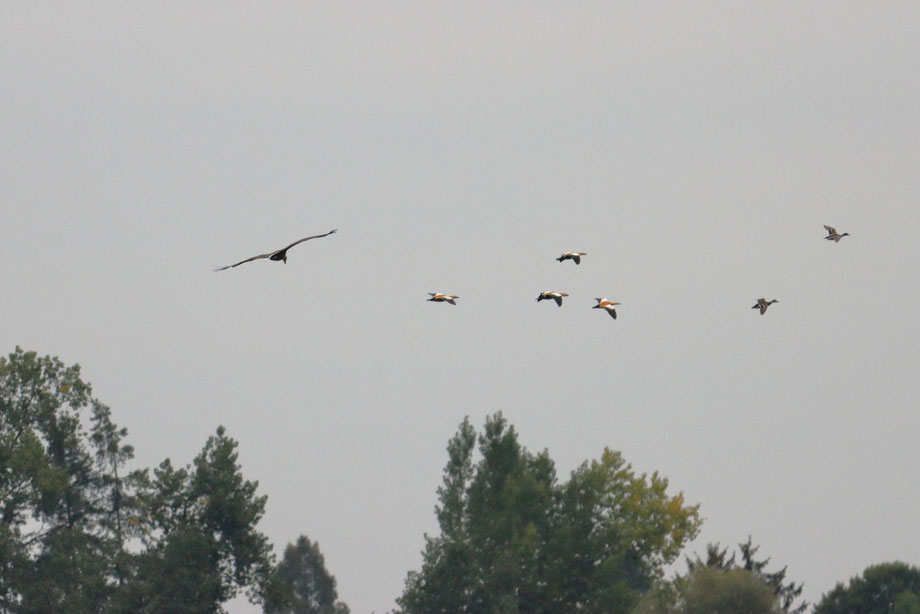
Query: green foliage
(714, 591)
(55, 549)
(79, 532)
(46, 465)
(786, 593)
(906, 603)
(199, 527)
(888, 588)
(513, 539)
(301, 583)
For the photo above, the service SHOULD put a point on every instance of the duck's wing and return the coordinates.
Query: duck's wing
(558, 300)
(830, 230)
(613, 313)
(307, 239)
(230, 266)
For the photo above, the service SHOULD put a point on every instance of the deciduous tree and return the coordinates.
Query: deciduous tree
(55, 548)
(514, 539)
(713, 590)
(82, 532)
(787, 594)
(888, 588)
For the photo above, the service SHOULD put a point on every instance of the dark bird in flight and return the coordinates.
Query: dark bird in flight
(437, 297)
(833, 235)
(280, 254)
(551, 294)
(576, 256)
(606, 305)
(762, 304)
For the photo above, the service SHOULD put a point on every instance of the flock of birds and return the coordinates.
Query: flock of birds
(832, 235)
(438, 297)
(553, 295)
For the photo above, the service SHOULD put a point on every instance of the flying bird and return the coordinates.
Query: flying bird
(833, 235)
(280, 254)
(762, 304)
(549, 294)
(603, 303)
(576, 256)
(437, 297)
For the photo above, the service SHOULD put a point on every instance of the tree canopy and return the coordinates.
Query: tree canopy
(302, 583)
(887, 588)
(515, 539)
(80, 532)
(716, 557)
(721, 584)
(711, 590)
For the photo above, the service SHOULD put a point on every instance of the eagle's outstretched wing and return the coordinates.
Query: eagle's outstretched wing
(277, 251)
(302, 240)
(230, 266)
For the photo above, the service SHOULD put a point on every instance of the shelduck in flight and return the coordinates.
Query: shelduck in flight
(437, 297)
(576, 256)
(549, 294)
(603, 303)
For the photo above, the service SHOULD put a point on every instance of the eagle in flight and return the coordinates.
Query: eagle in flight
(280, 254)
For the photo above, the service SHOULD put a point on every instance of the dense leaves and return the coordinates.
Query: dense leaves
(720, 584)
(888, 588)
(302, 583)
(80, 532)
(513, 539)
(717, 558)
(713, 590)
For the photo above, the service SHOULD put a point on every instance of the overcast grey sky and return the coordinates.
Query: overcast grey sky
(693, 150)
